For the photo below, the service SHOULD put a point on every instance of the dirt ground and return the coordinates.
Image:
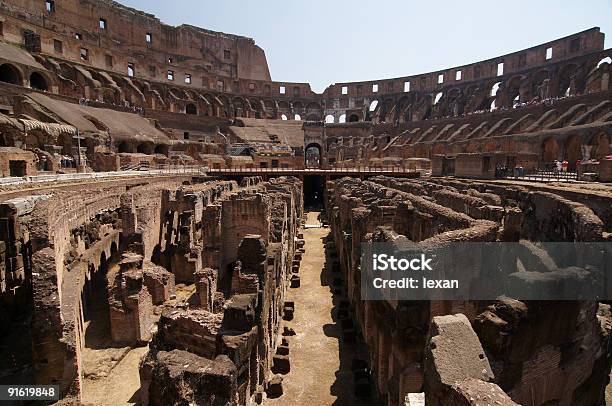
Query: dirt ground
(320, 362)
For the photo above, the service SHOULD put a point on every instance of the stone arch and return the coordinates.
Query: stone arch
(10, 73)
(600, 146)
(145, 148)
(161, 149)
(313, 155)
(573, 150)
(550, 150)
(125, 146)
(39, 82)
(567, 79)
(191, 109)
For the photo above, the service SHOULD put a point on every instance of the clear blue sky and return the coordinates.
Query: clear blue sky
(328, 41)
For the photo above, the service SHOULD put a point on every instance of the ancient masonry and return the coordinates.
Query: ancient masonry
(154, 184)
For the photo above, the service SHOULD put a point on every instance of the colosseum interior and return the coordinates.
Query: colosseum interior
(176, 228)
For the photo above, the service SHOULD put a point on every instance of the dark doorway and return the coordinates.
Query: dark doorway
(312, 156)
(96, 310)
(17, 168)
(37, 81)
(313, 192)
(9, 74)
(191, 109)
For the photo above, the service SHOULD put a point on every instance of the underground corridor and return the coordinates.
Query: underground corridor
(322, 324)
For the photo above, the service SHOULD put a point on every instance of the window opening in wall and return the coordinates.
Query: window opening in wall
(220, 85)
(329, 119)
(186, 135)
(549, 53)
(500, 69)
(342, 118)
(373, 105)
(50, 6)
(375, 88)
(58, 47)
(458, 75)
(227, 54)
(1, 28)
(102, 24)
(344, 89)
(78, 36)
(440, 78)
(131, 69)
(109, 60)
(170, 75)
(188, 78)
(170, 60)
(148, 38)
(406, 86)
(282, 90)
(84, 54)
(251, 86)
(283, 117)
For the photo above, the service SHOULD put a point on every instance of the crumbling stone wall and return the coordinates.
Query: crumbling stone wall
(522, 341)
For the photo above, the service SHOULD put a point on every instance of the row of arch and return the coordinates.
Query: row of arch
(10, 73)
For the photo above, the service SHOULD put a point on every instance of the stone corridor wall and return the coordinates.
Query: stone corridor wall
(535, 356)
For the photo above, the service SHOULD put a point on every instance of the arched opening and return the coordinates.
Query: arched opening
(492, 107)
(38, 81)
(329, 119)
(191, 109)
(297, 117)
(124, 147)
(494, 89)
(312, 156)
(10, 74)
(96, 311)
(601, 147)
(550, 150)
(353, 118)
(144, 148)
(607, 60)
(342, 118)
(161, 149)
(438, 97)
(283, 117)
(573, 151)
(373, 105)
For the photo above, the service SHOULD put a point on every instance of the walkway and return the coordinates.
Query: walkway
(320, 362)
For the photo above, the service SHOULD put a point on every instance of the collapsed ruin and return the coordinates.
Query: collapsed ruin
(525, 349)
(154, 182)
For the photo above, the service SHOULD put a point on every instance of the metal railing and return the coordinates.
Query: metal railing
(544, 175)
